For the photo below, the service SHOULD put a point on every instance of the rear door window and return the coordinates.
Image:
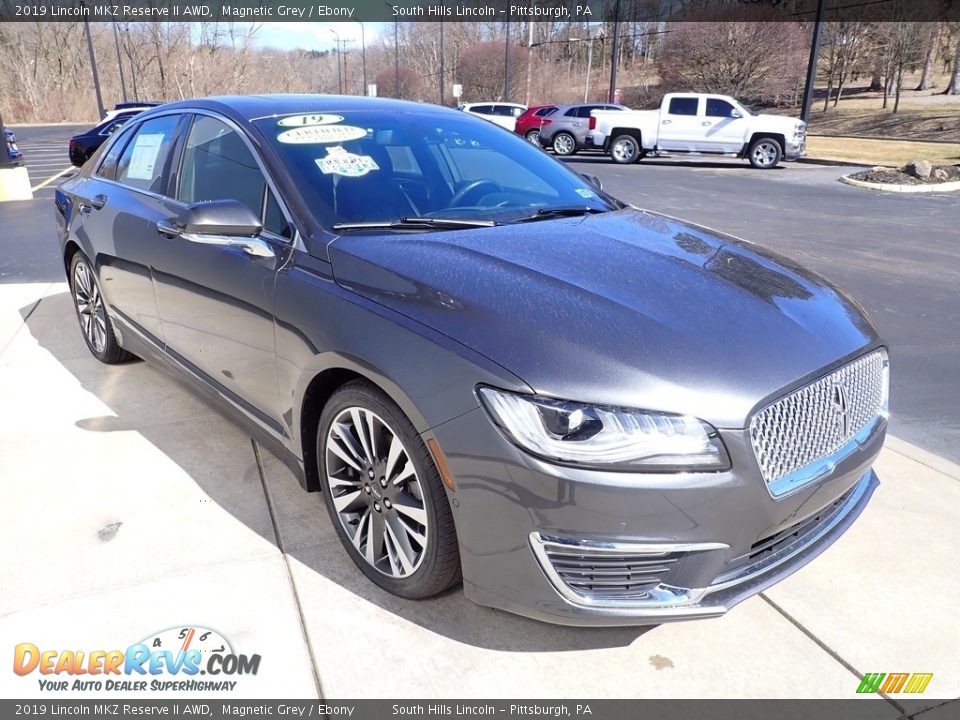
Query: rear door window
(144, 159)
(684, 105)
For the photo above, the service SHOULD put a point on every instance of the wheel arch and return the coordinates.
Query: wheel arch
(318, 386)
(632, 132)
(69, 250)
(779, 137)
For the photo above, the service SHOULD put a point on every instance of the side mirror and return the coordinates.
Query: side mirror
(736, 113)
(592, 180)
(219, 217)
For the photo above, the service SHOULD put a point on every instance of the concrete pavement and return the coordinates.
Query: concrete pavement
(130, 506)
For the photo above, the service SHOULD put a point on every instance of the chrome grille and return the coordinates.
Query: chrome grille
(600, 574)
(820, 418)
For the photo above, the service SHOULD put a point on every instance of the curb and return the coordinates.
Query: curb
(924, 457)
(889, 187)
(832, 163)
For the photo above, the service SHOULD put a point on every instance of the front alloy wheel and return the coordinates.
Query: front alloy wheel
(765, 153)
(384, 494)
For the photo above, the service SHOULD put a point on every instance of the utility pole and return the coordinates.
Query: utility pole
(586, 85)
(812, 66)
(441, 64)
(93, 67)
(506, 60)
(339, 74)
(396, 58)
(614, 53)
(526, 96)
(116, 42)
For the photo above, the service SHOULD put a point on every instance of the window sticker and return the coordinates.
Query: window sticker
(143, 159)
(340, 162)
(313, 119)
(584, 193)
(319, 134)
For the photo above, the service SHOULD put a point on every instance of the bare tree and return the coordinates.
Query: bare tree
(482, 68)
(933, 45)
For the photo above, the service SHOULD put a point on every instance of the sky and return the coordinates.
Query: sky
(315, 35)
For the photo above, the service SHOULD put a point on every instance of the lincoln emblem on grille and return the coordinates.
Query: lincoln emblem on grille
(840, 407)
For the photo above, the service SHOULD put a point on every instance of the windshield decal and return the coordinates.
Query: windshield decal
(319, 134)
(340, 162)
(584, 193)
(312, 119)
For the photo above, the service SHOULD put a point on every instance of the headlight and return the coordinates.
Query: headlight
(606, 437)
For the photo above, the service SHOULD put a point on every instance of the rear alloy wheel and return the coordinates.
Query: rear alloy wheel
(564, 144)
(533, 137)
(384, 494)
(95, 325)
(625, 149)
(765, 153)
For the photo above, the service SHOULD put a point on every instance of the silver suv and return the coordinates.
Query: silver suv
(566, 129)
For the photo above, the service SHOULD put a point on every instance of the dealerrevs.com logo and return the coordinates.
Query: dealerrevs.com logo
(172, 659)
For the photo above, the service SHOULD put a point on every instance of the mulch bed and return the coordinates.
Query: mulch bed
(892, 176)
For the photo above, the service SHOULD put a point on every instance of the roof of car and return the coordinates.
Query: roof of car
(252, 107)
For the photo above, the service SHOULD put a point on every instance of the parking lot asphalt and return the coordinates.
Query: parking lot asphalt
(130, 506)
(45, 155)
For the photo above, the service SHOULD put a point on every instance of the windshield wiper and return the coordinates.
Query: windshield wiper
(556, 212)
(417, 223)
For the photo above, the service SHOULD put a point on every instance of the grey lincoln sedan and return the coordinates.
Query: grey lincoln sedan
(491, 369)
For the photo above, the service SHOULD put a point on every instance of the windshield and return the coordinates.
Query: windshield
(383, 167)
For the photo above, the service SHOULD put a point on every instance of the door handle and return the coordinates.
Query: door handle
(706, 123)
(167, 231)
(99, 201)
(250, 245)
(667, 122)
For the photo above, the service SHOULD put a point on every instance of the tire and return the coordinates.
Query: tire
(411, 553)
(765, 153)
(564, 144)
(625, 150)
(533, 137)
(95, 325)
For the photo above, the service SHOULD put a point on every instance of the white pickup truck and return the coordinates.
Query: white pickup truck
(698, 124)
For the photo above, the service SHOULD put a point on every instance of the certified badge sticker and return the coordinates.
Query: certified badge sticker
(340, 162)
(319, 134)
(182, 658)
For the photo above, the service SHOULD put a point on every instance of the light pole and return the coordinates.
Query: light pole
(396, 58)
(339, 75)
(586, 83)
(812, 65)
(614, 53)
(93, 67)
(526, 96)
(441, 64)
(363, 56)
(116, 42)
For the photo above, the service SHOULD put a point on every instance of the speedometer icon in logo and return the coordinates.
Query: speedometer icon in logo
(185, 638)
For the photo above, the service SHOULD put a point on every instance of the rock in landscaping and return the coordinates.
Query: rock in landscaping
(920, 169)
(940, 174)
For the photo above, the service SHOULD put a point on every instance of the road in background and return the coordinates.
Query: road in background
(899, 255)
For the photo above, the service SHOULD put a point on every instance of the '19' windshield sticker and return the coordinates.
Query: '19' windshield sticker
(319, 134)
(584, 193)
(305, 120)
(340, 162)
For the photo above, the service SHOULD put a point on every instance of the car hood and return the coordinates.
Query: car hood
(783, 123)
(625, 308)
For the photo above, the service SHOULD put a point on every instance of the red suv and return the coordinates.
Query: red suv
(528, 124)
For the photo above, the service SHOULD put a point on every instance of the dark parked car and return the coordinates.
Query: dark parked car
(13, 150)
(528, 124)
(83, 146)
(490, 368)
(565, 130)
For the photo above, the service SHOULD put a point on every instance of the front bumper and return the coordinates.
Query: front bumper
(534, 535)
(796, 148)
